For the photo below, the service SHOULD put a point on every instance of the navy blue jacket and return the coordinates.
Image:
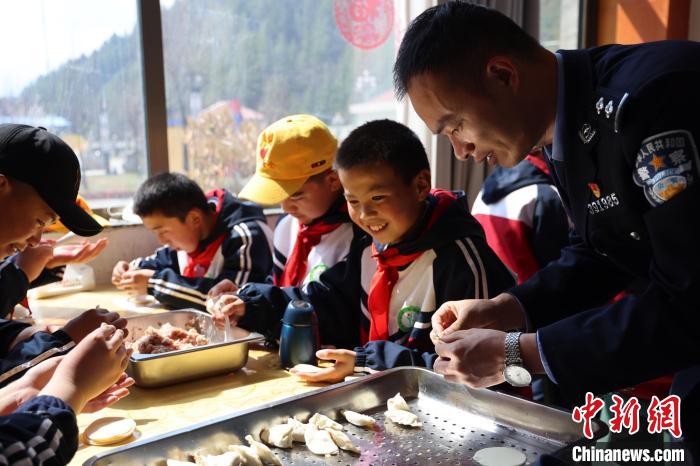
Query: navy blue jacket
(456, 264)
(625, 160)
(244, 255)
(43, 430)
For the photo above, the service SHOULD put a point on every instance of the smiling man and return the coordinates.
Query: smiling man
(619, 127)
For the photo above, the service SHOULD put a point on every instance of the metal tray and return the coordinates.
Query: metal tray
(457, 422)
(218, 357)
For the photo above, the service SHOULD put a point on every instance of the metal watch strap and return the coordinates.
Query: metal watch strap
(513, 349)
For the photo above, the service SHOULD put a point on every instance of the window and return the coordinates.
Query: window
(233, 67)
(559, 24)
(74, 67)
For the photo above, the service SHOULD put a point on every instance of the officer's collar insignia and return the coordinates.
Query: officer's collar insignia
(594, 189)
(609, 109)
(599, 105)
(586, 133)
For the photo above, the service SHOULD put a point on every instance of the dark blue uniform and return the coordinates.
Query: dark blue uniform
(625, 160)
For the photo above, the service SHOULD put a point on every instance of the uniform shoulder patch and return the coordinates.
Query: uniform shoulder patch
(666, 164)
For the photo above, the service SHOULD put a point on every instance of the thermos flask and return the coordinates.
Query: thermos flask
(299, 339)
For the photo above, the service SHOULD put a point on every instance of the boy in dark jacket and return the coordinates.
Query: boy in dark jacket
(421, 247)
(206, 239)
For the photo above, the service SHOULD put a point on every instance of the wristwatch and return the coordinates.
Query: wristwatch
(514, 373)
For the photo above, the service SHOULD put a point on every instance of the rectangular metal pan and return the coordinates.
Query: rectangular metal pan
(457, 422)
(218, 357)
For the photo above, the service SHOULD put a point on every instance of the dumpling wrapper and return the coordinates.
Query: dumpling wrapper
(358, 419)
(299, 429)
(280, 436)
(500, 456)
(404, 418)
(319, 442)
(179, 463)
(324, 422)
(307, 368)
(107, 430)
(396, 403)
(343, 441)
(249, 455)
(264, 453)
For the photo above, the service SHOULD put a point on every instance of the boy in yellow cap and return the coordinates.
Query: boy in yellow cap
(294, 168)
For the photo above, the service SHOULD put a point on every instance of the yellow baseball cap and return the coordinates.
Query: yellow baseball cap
(289, 152)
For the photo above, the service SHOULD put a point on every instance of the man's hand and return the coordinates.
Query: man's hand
(344, 365)
(76, 253)
(118, 272)
(33, 259)
(227, 305)
(136, 281)
(502, 313)
(90, 320)
(474, 357)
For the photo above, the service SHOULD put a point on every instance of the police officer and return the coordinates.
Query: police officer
(620, 128)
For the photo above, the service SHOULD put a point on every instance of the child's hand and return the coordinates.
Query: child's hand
(227, 305)
(110, 396)
(135, 282)
(76, 253)
(28, 386)
(118, 271)
(93, 366)
(90, 320)
(344, 365)
(224, 286)
(33, 260)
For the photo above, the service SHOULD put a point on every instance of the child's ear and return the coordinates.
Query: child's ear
(194, 218)
(421, 182)
(4, 184)
(333, 181)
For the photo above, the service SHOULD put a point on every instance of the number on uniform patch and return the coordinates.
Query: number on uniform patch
(666, 164)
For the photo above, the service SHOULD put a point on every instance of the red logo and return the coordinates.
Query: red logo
(624, 415)
(665, 415)
(587, 412)
(594, 189)
(366, 24)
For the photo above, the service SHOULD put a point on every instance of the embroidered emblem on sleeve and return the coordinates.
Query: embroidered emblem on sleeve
(666, 164)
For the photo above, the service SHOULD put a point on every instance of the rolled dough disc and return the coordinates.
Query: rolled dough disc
(500, 456)
(108, 430)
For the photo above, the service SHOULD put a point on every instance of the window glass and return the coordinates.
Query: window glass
(233, 67)
(74, 67)
(559, 24)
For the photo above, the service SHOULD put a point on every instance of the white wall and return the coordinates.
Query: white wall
(694, 20)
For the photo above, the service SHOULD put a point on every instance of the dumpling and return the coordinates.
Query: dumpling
(324, 422)
(404, 418)
(278, 436)
(500, 456)
(230, 458)
(249, 455)
(397, 402)
(357, 419)
(298, 429)
(319, 441)
(343, 441)
(264, 453)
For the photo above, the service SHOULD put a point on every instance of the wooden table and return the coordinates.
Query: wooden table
(160, 410)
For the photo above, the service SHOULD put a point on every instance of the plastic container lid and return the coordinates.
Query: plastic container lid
(299, 313)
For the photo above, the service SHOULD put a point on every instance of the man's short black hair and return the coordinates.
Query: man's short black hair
(170, 195)
(383, 142)
(457, 38)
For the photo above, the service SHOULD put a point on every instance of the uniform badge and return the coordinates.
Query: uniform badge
(406, 317)
(594, 189)
(666, 164)
(586, 133)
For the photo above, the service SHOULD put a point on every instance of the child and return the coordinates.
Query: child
(294, 168)
(207, 238)
(421, 248)
(39, 180)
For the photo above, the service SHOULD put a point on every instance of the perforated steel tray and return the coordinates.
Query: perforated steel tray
(457, 422)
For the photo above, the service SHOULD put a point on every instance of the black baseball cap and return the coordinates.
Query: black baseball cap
(43, 161)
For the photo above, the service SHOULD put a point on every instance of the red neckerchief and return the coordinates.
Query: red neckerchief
(298, 262)
(538, 162)
(198, 262)
(388, 264)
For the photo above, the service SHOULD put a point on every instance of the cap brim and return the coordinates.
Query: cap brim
(268, 192)
(75, 218)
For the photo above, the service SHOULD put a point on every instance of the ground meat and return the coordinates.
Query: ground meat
(167, 338)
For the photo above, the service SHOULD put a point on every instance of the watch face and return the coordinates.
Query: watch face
(517, 376)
